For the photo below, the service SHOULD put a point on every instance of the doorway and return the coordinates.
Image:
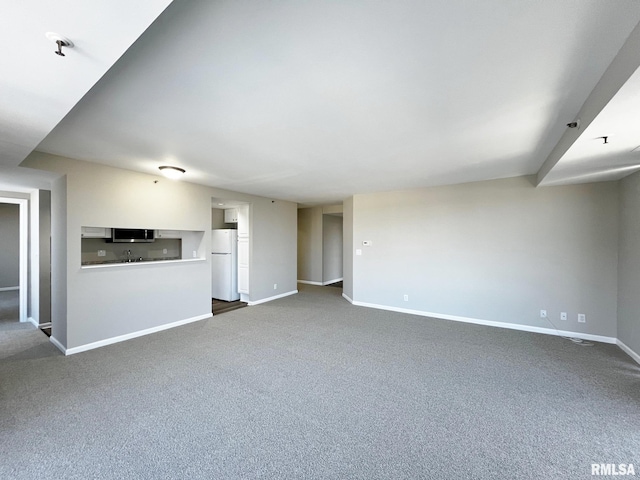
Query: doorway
(14, 230)
(320, 245)
(229, 254)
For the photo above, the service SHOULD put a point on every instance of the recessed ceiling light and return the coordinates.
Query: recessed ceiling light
(221, 204)
(174, 173)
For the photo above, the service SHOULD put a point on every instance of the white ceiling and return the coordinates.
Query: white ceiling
(37, 87)
(315, 101)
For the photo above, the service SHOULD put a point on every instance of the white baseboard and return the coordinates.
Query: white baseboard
(45, 325)
(128, 336)
(265, 300)
(58, 344)
(33, 321)
(344, 295)
(6, 289)
(321, 284)
(628, 351)
(490, 323)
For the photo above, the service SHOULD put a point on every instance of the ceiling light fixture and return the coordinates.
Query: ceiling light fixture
(60, 41)
(174, 173)
(606, 140)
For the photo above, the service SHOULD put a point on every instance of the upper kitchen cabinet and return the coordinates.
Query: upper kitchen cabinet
(231, 215)
(168, 234)
(95, 232)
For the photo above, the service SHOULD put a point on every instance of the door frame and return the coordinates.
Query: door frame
(24, 249)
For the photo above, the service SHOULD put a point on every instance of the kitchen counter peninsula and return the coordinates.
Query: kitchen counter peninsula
(120, 263)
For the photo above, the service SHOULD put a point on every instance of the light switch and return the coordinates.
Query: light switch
(367, 243)
(358, 251)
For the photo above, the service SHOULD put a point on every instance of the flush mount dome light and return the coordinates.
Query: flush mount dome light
(174, 173)
(60, 41)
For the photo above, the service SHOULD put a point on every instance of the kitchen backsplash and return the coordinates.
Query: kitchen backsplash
(114, 252)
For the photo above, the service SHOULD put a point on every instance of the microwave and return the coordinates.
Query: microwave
(132, 235)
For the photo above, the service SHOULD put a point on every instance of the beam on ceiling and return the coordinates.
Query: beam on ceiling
(623, 66)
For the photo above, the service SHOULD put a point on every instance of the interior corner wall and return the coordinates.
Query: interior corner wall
(629, 263)
(347, 248)
(10, 241)
(493, 251)
(310, 244)
(331, 248)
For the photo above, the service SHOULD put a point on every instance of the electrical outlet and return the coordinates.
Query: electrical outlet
(102, 253)
(406, 298)
(358, 251)
(164, 251)
(275, 286)
(582, 318)
(543, 314)
(563, 315)
(195, 254)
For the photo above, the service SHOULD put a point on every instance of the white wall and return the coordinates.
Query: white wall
(497, 251)
(10, 245)
(629, 263)
(59, 287)
(273, 248)
(331, 248)
(93, 305)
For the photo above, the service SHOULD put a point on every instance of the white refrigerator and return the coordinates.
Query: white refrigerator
(224, 265)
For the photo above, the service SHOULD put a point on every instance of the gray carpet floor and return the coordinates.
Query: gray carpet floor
(15, 337)
(309, 386)
(9, 307)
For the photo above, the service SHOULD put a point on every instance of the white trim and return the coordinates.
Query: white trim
(60, 347)
(344, 295)
(128, 336)
(321, 284)
(628, 351)
(23, 252)
(491, 323)
(33, 321)
(6, 289)
(45, 325)
(264, 300)
(24, 258)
